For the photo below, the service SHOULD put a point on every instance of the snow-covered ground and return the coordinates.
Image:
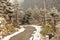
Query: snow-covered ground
(19, 31)
(36, 35)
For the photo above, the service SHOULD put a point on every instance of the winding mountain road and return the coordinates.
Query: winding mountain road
(27, 32)
(24, 35)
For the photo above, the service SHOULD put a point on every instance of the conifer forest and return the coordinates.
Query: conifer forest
(29, 19)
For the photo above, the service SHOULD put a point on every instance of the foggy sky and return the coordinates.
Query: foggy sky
(31, 3)
(39, 3)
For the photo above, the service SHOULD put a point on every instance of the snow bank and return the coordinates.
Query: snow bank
(19, 31)
(36, 35)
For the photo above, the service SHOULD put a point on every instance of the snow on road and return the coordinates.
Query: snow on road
(19, 31)
(36, 35)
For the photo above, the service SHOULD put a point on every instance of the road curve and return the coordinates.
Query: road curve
(24, 35)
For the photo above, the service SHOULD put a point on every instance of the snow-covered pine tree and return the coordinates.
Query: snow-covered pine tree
(6, 13)
(6, 9)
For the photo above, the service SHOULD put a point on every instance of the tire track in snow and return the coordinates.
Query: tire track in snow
(36, 35)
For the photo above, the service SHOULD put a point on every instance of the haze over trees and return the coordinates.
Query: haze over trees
(49, 3)
(15, 15)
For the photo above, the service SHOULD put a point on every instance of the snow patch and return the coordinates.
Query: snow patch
(19, 31)
(36, 35)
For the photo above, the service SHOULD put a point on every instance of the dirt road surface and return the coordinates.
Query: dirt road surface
(24, 35)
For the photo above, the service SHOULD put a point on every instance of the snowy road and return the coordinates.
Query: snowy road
(36, 35)
(19, 31)
(27, 32)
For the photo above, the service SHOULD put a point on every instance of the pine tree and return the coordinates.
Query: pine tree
(6, 12)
